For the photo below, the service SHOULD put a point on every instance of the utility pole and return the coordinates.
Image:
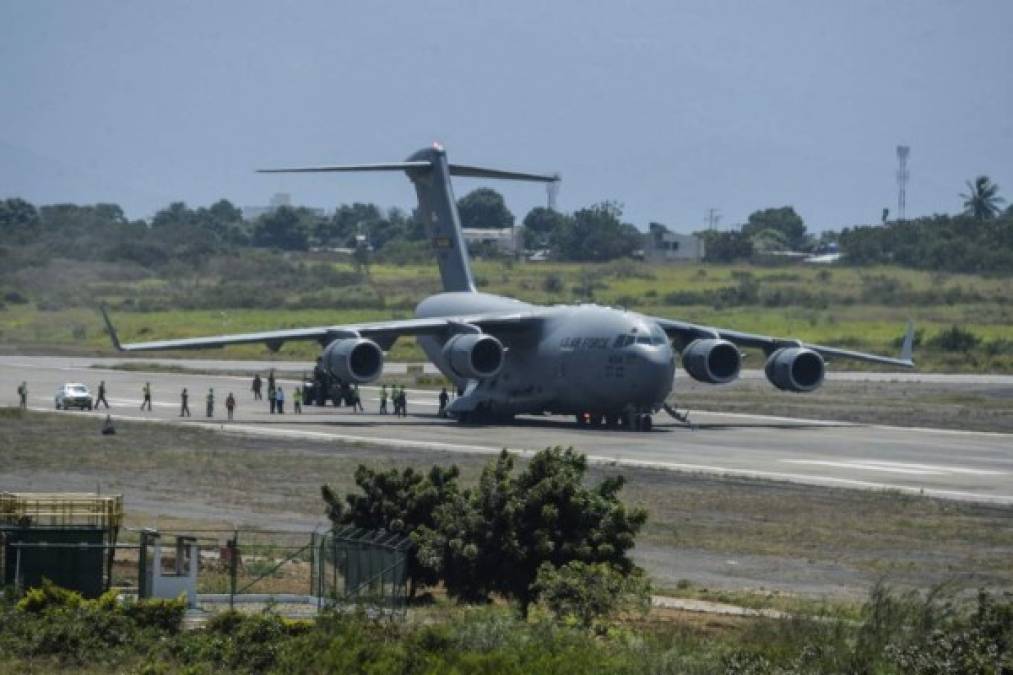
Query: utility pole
(902, 176)
(713, 216)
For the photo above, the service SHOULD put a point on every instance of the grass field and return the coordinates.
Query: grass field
(862, 308)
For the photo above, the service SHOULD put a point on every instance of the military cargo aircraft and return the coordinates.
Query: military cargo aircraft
(603, 365)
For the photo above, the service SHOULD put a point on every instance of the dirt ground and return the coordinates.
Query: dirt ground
(724, 535)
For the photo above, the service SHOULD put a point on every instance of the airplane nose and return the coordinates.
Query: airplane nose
(658, 369)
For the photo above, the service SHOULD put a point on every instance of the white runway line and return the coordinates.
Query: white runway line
(898, 467)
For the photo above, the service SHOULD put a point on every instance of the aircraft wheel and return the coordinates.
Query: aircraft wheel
(646, 422)
(631, 422)
(611, 421)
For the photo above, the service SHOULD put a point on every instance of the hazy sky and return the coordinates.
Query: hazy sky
(668, 107)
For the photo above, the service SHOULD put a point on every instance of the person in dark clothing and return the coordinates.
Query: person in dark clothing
(23, 395)
(146, 391)
(257, 384)
(107, 426)
(230, 404)
(403, 398)
(444, 399)
(357, 400)
(272, 394)
(101, 396)
(184, 407)
(211, 403)
(280, 399)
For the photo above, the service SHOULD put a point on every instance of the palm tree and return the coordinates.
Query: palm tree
(982, 200)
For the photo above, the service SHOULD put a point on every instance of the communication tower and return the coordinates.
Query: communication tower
(552, 191)
(713, 216)
(902, 176)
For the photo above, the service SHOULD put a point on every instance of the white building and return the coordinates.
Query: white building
(664, 246)
(507, 240)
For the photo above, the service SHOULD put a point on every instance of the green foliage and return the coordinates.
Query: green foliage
(982, 200)
(780, 225)
(402, 502)
(285, 228)
(954, 339)
(962, 243)
(163, 615)
(49, 597)
(591, 593)
(539, 226)
(484, 208)
(19, 220)
(494, 539)
(726, 246)
(595, 234)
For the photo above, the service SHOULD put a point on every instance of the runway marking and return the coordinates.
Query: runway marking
(828, 481)
(898, 467)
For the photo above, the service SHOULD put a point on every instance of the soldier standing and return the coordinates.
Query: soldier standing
(211, 403)
(357, 400)
(383, 399)
(257, 384)
(146, 390)
(101, 396)
(272, 394)
(403, 400)
(297, 401)
(280, 400)
(444, 398)
(230, 404)
(23, 395)
(184, 408)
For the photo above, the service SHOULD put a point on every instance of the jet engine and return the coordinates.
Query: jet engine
(712, 360)
(795, 369)
(474, 356)
(353, 359)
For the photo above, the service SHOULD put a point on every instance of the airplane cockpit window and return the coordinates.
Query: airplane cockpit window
(618, 342)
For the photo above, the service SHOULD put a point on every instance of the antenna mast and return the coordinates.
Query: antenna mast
(902, 176)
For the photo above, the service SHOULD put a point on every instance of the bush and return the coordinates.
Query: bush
(591, 593)
(954, 339)
(163, 615)
(553, 283)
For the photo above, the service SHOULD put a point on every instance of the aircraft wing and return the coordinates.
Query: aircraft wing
(687, 332)
(383, 332)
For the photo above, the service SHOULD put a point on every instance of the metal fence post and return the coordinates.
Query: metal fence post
(233, 547)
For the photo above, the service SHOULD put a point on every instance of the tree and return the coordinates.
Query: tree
(283, 228)
(595, 234)
(726, 246)
(783, 220)
(484, 208)
(19, 220)
(400, 502)
(982, 200)
(496, 538)
(539, 226)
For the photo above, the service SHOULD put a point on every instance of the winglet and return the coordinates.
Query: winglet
(112, 331)
(907, 346)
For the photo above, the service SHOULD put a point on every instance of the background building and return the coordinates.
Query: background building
(662, 245)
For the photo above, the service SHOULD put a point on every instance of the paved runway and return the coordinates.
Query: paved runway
(951, 464)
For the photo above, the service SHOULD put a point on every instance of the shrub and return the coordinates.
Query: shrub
(163, 615)
(954, 339)
(591, 593)
(553, 283)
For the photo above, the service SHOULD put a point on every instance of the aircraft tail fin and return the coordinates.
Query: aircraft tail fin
(430, 172)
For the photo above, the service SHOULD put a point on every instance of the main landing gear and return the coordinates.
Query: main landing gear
(629, 421)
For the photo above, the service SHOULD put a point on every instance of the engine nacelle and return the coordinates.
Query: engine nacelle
(795, 369)
(353, 360)
(712, 361)
(474, 356)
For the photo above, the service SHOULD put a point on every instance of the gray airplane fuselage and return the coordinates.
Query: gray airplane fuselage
(581, 359)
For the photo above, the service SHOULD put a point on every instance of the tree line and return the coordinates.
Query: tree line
(979, 239)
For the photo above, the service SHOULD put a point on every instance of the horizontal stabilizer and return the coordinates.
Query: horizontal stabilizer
(389, 166)
(479, 172)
